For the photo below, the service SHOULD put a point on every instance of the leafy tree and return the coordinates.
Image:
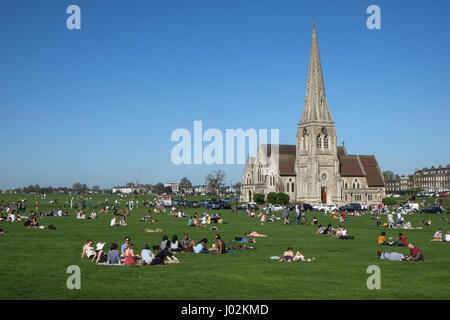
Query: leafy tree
(388, 201)
(77, 186)
(158, 188)
(185, 182)
(278, 198)
(258, 198)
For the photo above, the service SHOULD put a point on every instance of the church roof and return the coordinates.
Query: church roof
(286, 157)
(362, 166)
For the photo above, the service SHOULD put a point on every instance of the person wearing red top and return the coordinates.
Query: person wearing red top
(403, 239)
(415, 253)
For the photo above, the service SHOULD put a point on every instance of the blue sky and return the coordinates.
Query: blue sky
(98, 105)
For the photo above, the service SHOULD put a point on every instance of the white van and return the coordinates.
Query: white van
(410, 207)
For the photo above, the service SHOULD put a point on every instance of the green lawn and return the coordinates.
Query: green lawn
(33, 262)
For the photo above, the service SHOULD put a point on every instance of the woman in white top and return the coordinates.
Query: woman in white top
(175, 244)
(88, 251)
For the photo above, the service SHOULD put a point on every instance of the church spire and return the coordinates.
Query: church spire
(316, 107)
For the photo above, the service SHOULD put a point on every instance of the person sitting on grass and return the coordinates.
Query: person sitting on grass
(382, 239)
(164, 250)
(148, 258)
(315, 221)
(113, 256)
(129, 256)
(122, 222)
(402, 240)
(93, 215)
(391, 256)
(201, 246)
(288, 255)
(447, 236)
(219, 246)
(101, 256)
(124, 246)
(320, 230)
(426, 222)
(415, 254)
(437, 235)
(175, 244)
(81, 215)
(88, 251)
(188, 244)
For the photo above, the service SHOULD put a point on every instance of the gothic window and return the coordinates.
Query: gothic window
(325, 142)
(346, 186)
(287, 187)
(292, 187)
(319, 142)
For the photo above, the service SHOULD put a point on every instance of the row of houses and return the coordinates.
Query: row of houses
(434, 179)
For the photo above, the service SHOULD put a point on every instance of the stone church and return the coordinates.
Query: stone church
(316, 169)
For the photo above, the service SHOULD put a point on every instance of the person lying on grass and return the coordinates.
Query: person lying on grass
(391, 256)
(243, 240)
(289, 256)
(255, 234)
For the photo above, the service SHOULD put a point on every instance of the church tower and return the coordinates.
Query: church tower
(317, 163)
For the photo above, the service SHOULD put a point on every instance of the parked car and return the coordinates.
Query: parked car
(351, 207)
(320, 206)
(226, 204)
(203, 203)
(443, 194)
(246, 206)
(274, 207)
(306, 206)
(432, 209)
(410, 207)
(193, 204)
(215, 205)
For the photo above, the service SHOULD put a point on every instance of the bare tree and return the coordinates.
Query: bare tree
(388, 175)
(214, 181)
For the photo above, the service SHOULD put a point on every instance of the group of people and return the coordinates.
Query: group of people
(340, 232)
(438, 236)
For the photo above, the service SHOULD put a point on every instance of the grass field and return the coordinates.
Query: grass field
(33, 262)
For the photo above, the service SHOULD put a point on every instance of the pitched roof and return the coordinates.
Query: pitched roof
(351, 166)
(362, 166)
(282, 149)
(374, 175)
(286, 157)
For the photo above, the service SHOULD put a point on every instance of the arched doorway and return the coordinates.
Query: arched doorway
(325, 195)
